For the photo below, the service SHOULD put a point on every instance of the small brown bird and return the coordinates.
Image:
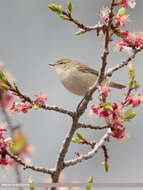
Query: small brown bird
(77, 77)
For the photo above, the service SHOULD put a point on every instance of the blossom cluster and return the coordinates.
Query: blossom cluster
(17, 145)
(114, 114)
(4, 144)
(129, 39)
(21, 148)
(23, 107)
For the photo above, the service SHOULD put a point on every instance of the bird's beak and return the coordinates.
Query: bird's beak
(53, 64)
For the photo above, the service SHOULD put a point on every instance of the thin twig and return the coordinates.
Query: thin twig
(90, 143)
(106, 157)
(97, 27)
(124, 63)
(57, 109)
(86, 126)
(26, 166)
(25, 98)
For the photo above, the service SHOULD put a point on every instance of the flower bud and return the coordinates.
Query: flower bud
(70, 6)
(80, 136)
(131, 71)
(80, 32)
(55, 8)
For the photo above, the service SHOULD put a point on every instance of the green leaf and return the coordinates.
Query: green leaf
(63, 17)
(108, 107)
(80, 136)
(90, 180)
(129, 114)
(70, 6)
(108, 103)
(4, 86)
(106, 166)
(14, 84)
(55, 8)
(76, 140)
(36, 106)
(2, 76)
(131, 84)
(121, 12)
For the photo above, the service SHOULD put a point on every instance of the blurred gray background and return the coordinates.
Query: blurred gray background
(31, 36)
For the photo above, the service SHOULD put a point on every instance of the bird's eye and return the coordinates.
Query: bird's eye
(61, 63)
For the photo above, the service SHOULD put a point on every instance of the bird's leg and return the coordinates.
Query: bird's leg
(77, 109)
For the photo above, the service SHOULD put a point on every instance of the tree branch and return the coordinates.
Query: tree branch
(90, 154)
(25, 98)
(124, 63)
(80, 110)
(57, 109)
(64, 149)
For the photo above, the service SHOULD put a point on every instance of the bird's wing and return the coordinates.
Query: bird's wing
(88, 70)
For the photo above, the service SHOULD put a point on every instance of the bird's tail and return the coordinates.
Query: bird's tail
(116, 85)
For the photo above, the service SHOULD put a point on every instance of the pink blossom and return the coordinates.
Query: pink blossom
(1, 134)
(3, 146)
(105, 18)
(105, 14)
(20, 107)
(25, 108)
(121, 20)
(104, 113)
(118, 133)
(6, 100)
(135, 100)
(121, 45)
(95, 109)
(135, 38)
(104, 91)
(125, 33)
(113, 117)
(116, 112)
(3, 161)
(3, 141)
(40, 99)
(126, 3)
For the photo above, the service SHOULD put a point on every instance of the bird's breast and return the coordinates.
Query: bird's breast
(76, 82)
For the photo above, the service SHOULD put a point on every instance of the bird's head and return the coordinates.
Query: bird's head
(64, 64)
